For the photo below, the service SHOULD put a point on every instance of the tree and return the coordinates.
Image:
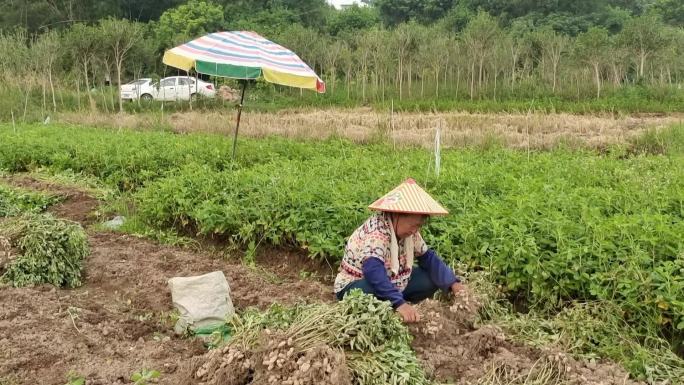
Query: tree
(395, 12)
(670, 56)
(40, 15)
(644, 37)
(378, 46)
(590, 48)
(82, 43)
(268, 23)
(553, 46)
(188, 21)
(435, 54)
(46, 51)
(332, 56)
(17, 67)
(479, 37)
(457, 18)
(352, 19)
(403, 43)
(119, 37)
(141, 10)
(308, 13)
(671, 11)
(618, 61)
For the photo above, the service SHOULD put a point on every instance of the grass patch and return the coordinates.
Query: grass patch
(669, 140)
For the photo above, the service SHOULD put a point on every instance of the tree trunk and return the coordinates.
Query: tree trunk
(480, 72)
(642, 61)
(363, 85)
(28, 94)
(422, 84)
(437, 82)
(52, 89)
(118, 84)
(410, 80)
(472, 80)
(104, 98)
(87, 85)
(598, 80)
(458, 80)
(348, 78)
(333, 77)
(401, 77)
(496, 74)
(514, 63)
(44, 107)
(78, 92)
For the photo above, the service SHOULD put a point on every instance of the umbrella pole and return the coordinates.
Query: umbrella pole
(237, 126)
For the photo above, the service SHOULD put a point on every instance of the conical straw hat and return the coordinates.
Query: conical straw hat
(409, 198)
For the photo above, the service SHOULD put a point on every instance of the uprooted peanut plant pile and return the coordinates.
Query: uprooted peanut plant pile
(35, 247)
(360, 340)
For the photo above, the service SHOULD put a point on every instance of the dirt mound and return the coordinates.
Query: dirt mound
(453, 348)
(275, 360)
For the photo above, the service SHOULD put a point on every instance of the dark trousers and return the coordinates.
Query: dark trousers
(420, 286)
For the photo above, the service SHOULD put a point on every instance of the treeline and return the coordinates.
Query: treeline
(366, 54)
(566, 17)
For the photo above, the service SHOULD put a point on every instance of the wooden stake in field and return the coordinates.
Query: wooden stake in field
(394, 138)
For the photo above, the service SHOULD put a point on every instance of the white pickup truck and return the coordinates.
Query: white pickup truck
(168, 89)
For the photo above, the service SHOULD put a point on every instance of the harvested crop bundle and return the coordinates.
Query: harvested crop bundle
(51, 251)
(359, 340)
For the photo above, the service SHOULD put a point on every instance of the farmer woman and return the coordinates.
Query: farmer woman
(379, 255)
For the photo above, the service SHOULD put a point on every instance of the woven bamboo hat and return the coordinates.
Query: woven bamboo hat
(409, 198)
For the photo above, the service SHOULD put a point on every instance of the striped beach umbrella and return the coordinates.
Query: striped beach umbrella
(243, 55)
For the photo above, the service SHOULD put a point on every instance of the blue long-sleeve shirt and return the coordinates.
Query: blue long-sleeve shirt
(375, 273)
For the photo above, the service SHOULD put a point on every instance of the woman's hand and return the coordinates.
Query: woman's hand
(408, 313)
(458, 289)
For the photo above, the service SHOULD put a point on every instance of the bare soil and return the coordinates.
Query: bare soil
(453, 349)
(118, 322)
